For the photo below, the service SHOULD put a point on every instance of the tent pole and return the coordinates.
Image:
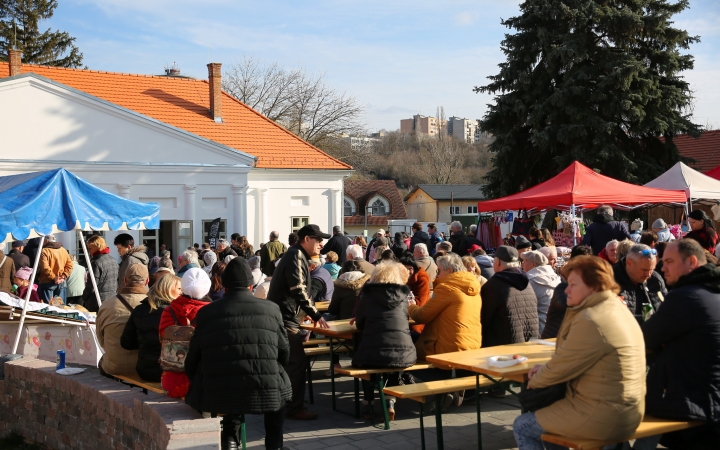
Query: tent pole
(27, 295)
(574, 230)
(89, 267)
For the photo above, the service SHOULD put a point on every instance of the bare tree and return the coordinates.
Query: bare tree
(300, 102)
(442, 158)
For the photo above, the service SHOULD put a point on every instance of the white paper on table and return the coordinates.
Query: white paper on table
(542, 342)
(493, 361)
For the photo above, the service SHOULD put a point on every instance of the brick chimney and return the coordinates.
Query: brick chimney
(15, 61)
(215, 81)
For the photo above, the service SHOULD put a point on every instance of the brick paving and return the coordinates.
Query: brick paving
(338, 431)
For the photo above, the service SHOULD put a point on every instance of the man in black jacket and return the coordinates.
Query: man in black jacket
(21, 260)
(639, 283)
(604, 229)
(290, 290)
(683, 340)
(338, 243)
(236, 356)
(418, 237)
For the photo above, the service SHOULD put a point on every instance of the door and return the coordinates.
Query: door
(183, 235)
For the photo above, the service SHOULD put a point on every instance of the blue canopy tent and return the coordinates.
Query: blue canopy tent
(42, 203)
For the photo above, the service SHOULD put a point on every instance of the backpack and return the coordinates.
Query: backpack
(175, 344)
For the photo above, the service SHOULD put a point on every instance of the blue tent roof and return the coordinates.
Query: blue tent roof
(37, 203)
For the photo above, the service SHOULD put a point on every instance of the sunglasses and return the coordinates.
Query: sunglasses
(648, 252)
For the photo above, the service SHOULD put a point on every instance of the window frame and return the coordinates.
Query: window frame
(455, 210)
(351, 203)
(222, 234)
(302, 222)
(386, 205)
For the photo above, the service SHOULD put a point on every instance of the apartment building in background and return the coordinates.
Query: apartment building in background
(462, 129)
(422, 124)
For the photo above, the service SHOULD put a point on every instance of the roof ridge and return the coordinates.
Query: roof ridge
(105, 72)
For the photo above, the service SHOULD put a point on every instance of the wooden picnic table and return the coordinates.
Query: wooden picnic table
(322, 306)
(477, 361)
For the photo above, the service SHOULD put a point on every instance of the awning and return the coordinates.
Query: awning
(586, 189)
(696, 185)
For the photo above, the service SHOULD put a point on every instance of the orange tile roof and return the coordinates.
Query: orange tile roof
(185, 103)
(705, 150)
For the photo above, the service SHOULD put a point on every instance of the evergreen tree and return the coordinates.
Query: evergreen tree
(19, 28)
(596, 81)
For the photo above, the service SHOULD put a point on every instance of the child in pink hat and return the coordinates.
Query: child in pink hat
(22, 281)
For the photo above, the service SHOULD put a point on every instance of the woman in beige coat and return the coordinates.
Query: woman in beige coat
(600, 353)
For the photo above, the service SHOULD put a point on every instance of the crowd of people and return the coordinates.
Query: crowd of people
(637, 319)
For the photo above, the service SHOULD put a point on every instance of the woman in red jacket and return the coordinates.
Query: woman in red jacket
(419, 283)
(195, 287)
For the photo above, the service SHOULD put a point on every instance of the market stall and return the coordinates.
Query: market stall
(579, 188)
(42, 203)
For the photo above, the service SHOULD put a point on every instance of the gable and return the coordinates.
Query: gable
(48, 121)
(364, 191)
(185, 103)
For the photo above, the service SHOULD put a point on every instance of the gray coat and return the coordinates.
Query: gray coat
(135, 255)
(105, 271)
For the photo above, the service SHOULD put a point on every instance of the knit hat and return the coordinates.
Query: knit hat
(660, 224)
(195, 283)
(23, 273)
(535, 256)
(506, 253)
(136, 274)
(522, 242)
(237, 275)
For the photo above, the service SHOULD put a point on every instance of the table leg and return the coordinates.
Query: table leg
(309, 377)
(243, 438)
(381, 386)
(438, 420)
(332, 374)
(422, 427)
(477, 403)
(523, 386)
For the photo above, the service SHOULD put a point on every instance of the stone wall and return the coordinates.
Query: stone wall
(89, 411)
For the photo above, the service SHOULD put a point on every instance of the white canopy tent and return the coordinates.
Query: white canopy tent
(698, 187)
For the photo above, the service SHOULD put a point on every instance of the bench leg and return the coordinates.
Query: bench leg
(243, 439)
(422, 427)
(438, 420)
(332, 374)
(523, 386)
(309, 377)
(356, 382)
(477, 406)
(381, 386)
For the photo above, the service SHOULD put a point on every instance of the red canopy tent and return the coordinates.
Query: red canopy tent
(579, 187)
(714, 173)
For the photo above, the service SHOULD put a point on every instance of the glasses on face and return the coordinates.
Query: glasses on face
(318, 239)
(648, 252)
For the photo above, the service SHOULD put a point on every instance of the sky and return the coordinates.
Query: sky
(396, 57)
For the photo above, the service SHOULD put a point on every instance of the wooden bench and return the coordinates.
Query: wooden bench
(650, 426)
(135, 380)
(421, 391)
(312, 342)
(359, 373)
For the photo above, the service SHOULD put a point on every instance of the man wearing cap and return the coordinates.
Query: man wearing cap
(290, 290)
(270, 252)
(112, 317)
(338, 243)
(543, 281)
(522, 244)
(509, 307)
(21, 260)
(236, 356)
(379, 239)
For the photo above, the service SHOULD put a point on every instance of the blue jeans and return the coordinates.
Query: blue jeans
(528, 434)
(46, 291)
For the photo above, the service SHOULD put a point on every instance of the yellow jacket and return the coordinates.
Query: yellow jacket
(54, 262)
(601, 354)
(451, 316)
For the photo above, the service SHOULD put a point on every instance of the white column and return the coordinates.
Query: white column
(264, 231)
(190, 211)
(334, 208)
(240, 208)
(124, 192)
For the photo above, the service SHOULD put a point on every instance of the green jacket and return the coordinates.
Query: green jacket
(269, 253)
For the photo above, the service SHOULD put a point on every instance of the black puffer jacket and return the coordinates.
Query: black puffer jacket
(509, 309)
(345, 296)
(684, 335)
(105, 270)
(652, 291)
(382, 316)
(420, 237)
(556, 311)
(142, 333)
(236, 357)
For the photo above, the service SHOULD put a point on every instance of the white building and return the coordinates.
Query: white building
(462, 129)
(180, 142)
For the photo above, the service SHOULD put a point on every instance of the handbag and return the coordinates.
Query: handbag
(175, 344)
(522, 225)
(533, 399)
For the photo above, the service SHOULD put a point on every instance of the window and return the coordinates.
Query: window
(298, 222)
(454, 210)
(349, 208)
(222, 230)
(472, 209)
(379, 206)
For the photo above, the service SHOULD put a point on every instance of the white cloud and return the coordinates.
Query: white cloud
(464, 18)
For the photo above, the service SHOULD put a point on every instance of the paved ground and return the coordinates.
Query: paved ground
(338, 431)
